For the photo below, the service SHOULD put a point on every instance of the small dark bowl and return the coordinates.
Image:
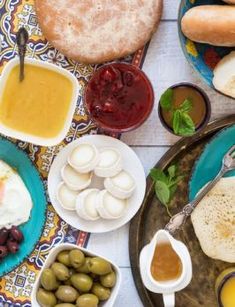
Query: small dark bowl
(145, 116)
(207, 104)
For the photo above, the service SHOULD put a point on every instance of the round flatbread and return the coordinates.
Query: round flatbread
(214, 221)
(93, 31)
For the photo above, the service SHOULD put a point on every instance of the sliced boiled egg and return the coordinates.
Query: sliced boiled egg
(66, 197)
(109, 206)
(110, 163)
(121, 186)
(84, 158)
(86, 205)
(74, 180)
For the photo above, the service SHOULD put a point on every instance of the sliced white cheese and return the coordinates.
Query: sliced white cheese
(110, 163)
(86, 205)
(109, 206)
(121, 186)
(224, 75)
(74, 180)
(66, 197)
(84, 158)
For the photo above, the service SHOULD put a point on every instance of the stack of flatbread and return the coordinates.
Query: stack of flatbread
(94, 31)
(214, 221)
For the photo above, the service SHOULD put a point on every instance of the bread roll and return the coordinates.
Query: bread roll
(230, 1)
(224, 75)
(211, 24)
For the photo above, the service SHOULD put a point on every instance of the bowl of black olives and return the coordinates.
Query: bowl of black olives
(74, 276)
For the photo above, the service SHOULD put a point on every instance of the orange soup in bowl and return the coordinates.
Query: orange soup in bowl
(39, 104)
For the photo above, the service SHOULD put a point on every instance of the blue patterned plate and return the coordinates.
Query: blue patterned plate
(209, 163)
(32, 230)
(202, 57)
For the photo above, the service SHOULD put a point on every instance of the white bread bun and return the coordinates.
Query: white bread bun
(229, 1)
(213, 221)
(224, 75)
(211, 24)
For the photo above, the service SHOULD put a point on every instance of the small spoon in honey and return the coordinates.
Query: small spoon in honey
(22, 37)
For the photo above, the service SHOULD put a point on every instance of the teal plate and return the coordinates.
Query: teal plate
(202, 57)
(32, 230)
(210, 161)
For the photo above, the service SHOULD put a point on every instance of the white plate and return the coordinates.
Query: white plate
(66, 246)
(131, 163)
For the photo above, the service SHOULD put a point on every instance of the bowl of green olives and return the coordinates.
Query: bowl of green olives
(76, 277)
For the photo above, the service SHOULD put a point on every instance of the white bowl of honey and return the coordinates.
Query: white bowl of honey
(40, 108)
(165, 266)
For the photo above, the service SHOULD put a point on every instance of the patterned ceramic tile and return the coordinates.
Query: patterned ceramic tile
(16, 287)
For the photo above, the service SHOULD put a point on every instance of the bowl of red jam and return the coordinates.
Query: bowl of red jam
(119, 97)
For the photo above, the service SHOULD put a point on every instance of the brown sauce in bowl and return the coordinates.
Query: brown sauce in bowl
(166, 264)
(198, 111)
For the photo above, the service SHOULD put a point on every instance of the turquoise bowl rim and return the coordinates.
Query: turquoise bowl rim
(4, 271)
(191, 193)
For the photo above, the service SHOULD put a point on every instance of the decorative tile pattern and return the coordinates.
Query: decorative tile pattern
(16, 287)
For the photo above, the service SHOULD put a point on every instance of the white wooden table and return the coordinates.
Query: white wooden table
(165, 65)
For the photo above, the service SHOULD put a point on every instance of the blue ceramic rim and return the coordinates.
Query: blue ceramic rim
(218, 134)
(180, 35)
(45, 210)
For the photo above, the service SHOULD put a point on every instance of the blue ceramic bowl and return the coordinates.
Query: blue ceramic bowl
(202, 57)
(32, 230)
(209, 163)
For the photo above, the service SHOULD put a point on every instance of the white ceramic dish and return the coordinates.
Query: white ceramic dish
(66, 246)
(28, 137)
(168, 288)
(131, 164)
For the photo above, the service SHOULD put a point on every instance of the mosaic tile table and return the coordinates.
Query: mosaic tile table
(165, 65)
(15, 287)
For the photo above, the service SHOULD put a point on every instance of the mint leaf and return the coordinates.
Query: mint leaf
(172, 171)
(165, 184)
(186, 106)
(162, 191)
(166, 99)
(158, 174)
(187, 126)
(176, 121)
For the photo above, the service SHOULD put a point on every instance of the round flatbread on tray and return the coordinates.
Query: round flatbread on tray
(92, 31)
(213, 221)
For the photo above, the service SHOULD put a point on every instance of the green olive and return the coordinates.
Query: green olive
(87, 300)
(66, 294)
(63, 257)
(65, 305)
(48, 280)
(45, 298)
(76, 258)
(99, 266)
(61, 271)
(82, 282)
(101, 292)
(108, 280)
(84, 268)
